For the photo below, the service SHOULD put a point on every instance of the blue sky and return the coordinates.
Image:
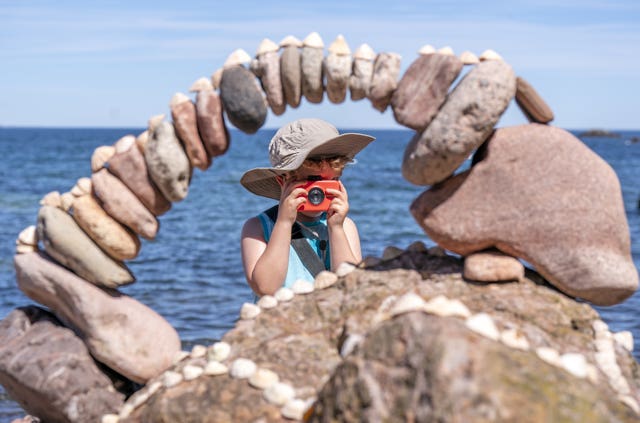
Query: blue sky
(116, 63)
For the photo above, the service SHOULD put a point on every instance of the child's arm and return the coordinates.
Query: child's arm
(343, 233)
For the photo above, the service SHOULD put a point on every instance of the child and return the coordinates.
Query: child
(272, 253)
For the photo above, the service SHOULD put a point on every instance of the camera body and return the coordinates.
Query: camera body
(317, 197)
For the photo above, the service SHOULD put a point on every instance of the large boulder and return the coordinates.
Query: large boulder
(48, 370)
(120, 332)
(538, 193)
(463, 123)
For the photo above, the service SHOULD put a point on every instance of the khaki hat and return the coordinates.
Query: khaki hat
(293, 144)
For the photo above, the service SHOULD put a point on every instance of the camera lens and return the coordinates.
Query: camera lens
(315, 196)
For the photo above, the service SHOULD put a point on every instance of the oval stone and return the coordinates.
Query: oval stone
(311, 64)
(384, 80)
(242, 99)
(184, 121)
(290, 74)
(269, 70)
(213, 131)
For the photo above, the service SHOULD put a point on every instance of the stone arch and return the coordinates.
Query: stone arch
(89, 232)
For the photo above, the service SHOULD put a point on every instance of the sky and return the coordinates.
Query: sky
(117, 63)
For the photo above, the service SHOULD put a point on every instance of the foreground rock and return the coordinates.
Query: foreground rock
(120, 332)
(242, 99)
(353, 352)
(49, 371)
(538, 193)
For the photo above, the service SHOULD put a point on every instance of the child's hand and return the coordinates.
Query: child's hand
(290, 200)
(339, 206)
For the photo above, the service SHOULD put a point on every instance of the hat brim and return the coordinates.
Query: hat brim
(262, 180)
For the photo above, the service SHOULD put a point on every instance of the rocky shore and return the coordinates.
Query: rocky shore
(414, 335)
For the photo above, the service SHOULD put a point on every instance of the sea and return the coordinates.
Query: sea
(192, 273)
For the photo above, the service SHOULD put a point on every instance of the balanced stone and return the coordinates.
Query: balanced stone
(337, 69)
(120, 332)
(291, 75)
(242, 99)
(531, 104)
(131, 169)
(123, 205)
(70, 246)
(167, 163)
(48, 370)
(539, 194)
(113, 238)
(386, 69)
(268, 69)
(423, 89)
(463, 123)
(183, 113)
(492, 266)
(360, 79)
(211, 127)
(311, 60)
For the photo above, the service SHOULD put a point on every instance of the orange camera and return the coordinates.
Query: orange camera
(317, 197)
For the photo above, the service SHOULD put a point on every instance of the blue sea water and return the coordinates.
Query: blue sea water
(191, 273)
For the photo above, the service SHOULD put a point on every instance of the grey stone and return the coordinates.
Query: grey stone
(291, 75)
(531, 103)
(268, 68)
(312, 74)
(242, 99)
(386, 69)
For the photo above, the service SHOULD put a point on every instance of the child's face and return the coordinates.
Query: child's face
(314, 170)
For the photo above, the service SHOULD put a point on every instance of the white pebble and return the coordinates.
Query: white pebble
(630, 402)
(139, 398)
(243, 368)
(407, 303)
(279, 393)
(284, 294)
(153, 387)
(180, 355)
(171, 378)
(191, 372)
(483, 324)
(263, 378)
(514, 339)
(549, 355)
(575, 364)
(125, 411)
(249, 311)
(325, 279)
(592, 374)
(624, 338)
(349, 344)
(110, 418)
(215, 368)
(344, 269)
(294, 409)
(442, 306)
(301, 287)
(219, 351)
(267, 301)
(599, 326)
(28, 236)
(198, 351)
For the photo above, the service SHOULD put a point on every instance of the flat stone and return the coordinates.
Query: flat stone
(211, 126)
(311, 62)
(70, 246)
(123, 205)
(183, 114)
(291, 75)
(423, 89)
(538, 193)
(490, 266)
(112, 237)
(131, 169)
(242, 99)
(122, 333)
(269, 70)
(531, 103)
(167, 162)
(386, 69)
(463, 123)
(48, 370)
(337, 69)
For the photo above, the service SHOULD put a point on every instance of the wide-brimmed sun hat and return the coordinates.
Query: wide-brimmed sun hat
(293, 144)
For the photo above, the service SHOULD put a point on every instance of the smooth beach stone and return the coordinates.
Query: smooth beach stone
(311, 63)
(213, 131)
(113, 238)
(531, 104)
(492, 266)
(70, 246)
(123, 205)
(538, 193)
(131, 169)
(423, 89)
(386, 69)
(122, 333)
(167, 163)
(242, 99)
(463, 123)
(361, 73)
(269, 68)
(337, 69)
(290, 75)
(183, 113)
(48, 370)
